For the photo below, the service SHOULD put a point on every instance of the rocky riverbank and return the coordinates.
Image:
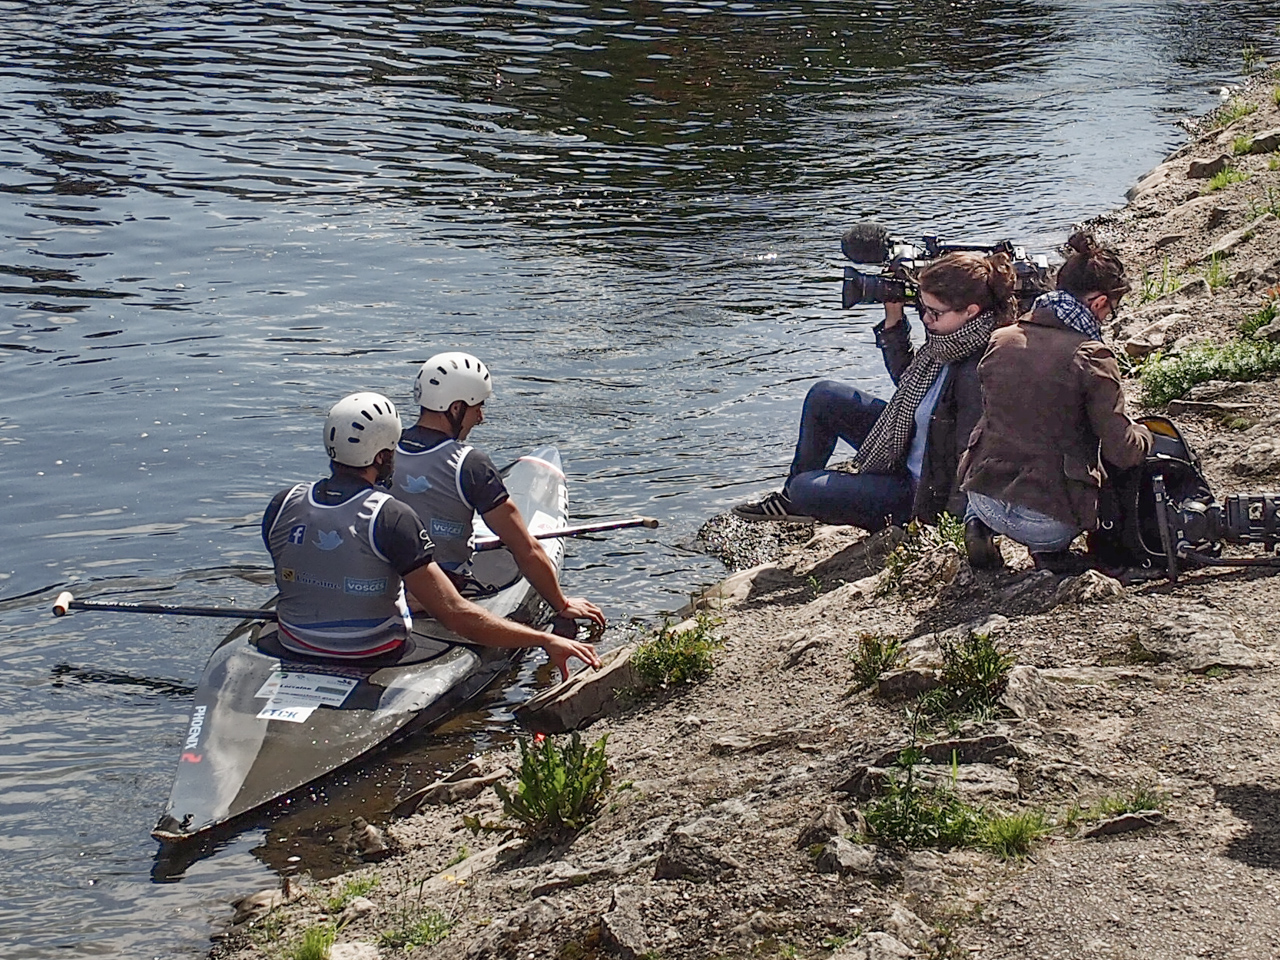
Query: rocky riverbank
(1139, 718)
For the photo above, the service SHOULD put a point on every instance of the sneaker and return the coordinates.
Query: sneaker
(776, 506)
(980, 545)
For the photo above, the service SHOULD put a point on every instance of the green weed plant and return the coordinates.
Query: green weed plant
(1251, 60)
(348, 891)
(1215, 274)
(921, 539)
(426, 930)
(874, 655)
(1168, 378)
(1012, 837)
(1272, 203)
(911, 815)
(315, 943)
(675, 658)
(1233, 110)
(1138, 799)
(1242, 144)
(1224, 178)
(975, 672)
(1156, 285)
(560, 790)
(413, 923)
(1251, 324)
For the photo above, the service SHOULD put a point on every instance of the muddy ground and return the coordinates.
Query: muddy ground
(733, 829)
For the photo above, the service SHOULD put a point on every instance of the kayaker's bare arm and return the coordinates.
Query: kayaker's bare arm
(505, 520)
(433, 589)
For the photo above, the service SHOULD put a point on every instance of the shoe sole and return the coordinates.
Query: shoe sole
(761, 518)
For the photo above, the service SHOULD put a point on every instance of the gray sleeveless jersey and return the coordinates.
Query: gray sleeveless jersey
(338, 592)
(430, 481)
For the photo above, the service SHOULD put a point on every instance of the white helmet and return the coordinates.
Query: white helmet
(358, 427)
(447, 377)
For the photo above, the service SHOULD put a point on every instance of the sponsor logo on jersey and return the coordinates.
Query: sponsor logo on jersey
(298, 534)
(447, 529)
(314, 581)
(287, 575)
(352, 585)
(328, 539)
(416, 485)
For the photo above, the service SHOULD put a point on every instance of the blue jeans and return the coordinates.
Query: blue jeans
(832, 412)
(1031, 528)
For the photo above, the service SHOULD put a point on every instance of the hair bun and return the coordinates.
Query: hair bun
(1083, 242)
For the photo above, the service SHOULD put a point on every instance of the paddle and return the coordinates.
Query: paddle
(66, 602)
(493, 543)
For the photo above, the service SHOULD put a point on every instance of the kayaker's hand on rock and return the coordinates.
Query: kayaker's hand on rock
(579, 608)
(561, 650)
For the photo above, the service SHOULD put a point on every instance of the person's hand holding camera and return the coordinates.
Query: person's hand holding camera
(893, 313)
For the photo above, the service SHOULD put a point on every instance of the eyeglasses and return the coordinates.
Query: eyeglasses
(1113, 304)
(928, 312)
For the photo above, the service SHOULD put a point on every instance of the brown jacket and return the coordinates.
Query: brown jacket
(1052, 411)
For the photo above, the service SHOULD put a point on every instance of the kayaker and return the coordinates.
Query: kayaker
(447, 482)
(342, 547)
(906, 450)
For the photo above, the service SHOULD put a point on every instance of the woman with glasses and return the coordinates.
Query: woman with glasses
(906, 450)
(1053, 411)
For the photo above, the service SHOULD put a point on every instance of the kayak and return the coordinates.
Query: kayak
(266, 721)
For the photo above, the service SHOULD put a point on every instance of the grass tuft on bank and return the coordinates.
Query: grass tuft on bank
(678, 657)
(1168, 378)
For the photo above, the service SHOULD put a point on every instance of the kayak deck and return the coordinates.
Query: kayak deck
(266, 721)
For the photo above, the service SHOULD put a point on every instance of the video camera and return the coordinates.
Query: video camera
(902, 260)
(1161, 513)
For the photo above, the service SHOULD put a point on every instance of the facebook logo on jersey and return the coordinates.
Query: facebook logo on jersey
(298, 534)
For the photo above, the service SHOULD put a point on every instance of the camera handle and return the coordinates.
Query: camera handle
(1162, 521)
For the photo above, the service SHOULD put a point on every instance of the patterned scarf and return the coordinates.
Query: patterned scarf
(1071, 312)
(885, 448)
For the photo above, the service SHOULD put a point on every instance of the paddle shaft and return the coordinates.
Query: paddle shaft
(66, 602)
(493, 543)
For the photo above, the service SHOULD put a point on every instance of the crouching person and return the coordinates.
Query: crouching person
(1053, 410)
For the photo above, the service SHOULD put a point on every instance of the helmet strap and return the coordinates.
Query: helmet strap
(386, 469)
(456, 422)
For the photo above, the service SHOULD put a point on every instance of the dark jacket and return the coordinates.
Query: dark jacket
(959, 407)
(1053, 409)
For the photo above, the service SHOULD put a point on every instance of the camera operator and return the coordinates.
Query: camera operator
(907, 450)
(1053, 410)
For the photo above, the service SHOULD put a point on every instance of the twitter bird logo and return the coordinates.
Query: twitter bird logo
(328, 540)
(416, 484)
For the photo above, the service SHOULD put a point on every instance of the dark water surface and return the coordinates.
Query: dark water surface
(218, 218)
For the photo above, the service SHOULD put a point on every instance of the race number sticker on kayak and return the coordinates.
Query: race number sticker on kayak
(543, 522)
(292, 695)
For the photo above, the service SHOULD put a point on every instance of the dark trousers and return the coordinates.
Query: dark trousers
(832, 412)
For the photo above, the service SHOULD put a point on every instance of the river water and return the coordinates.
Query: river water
(218, 218)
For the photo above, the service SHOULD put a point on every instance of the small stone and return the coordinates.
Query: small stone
(828, 825)
(1202, 168)
(355, 950)
(1125, 823)
(688, 725)
(357, 908)
(1268, 141)
(1090, 587)
(686, 857)
(907, 682)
